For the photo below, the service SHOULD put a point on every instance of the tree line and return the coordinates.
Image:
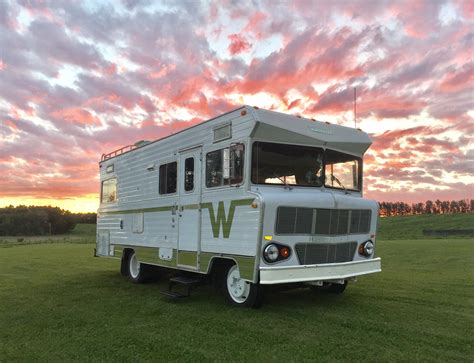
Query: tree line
(388, 209)
(40, 221)
(34, 220)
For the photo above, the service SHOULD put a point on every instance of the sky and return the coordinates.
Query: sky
(82, 78)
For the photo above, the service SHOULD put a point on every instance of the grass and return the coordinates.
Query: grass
(60, 303)
(411, 227)
(82, 233)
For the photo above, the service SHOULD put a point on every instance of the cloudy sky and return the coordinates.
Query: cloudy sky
(81, 78)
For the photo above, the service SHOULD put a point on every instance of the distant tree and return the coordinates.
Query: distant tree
(429, 207)
(453, 206)
(463, 206)
(33, 220)
(438, 206)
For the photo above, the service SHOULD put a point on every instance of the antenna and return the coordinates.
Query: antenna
(355, 107)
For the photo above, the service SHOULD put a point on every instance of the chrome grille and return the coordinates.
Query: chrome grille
(331, 222)
(316, 253)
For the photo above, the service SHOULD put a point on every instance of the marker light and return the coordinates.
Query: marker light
(268, 238)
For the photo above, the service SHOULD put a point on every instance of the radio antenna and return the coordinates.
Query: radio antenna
(355, 107)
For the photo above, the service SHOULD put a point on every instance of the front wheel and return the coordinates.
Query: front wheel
(331, 287)
(240, 292)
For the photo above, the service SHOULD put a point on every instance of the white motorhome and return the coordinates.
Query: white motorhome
(252, 197)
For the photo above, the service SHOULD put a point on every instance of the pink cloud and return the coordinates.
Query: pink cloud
(140, 66)
(238, 44)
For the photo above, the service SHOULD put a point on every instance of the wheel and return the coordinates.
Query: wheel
(337, 288)
(331, 287)
(136, 270)
(240, 292)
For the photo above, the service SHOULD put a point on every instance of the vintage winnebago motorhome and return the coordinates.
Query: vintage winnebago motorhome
(250, 198)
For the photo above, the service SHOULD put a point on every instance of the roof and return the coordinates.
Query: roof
(286, 128)
(296, 129)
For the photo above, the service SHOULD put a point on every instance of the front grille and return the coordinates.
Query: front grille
(316, 253)
(330, 222)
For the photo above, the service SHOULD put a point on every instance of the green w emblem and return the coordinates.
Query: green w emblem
(222, 219)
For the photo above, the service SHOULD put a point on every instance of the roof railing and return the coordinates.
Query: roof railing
(117, 152)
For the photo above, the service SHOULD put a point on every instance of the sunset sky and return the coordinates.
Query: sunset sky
(82, 78)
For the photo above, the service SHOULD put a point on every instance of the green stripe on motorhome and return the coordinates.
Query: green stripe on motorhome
(142, 210)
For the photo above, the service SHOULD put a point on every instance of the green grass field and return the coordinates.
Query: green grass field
(58, 303)
(411, 227)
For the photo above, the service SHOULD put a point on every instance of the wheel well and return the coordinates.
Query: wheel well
(218, 266)
(218, 263)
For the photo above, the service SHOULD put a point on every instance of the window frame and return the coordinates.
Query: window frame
(323, 171)
(194, 175)
(159, 177)
(359, 172)
(282, 184)
(102, 190)
(243, 167)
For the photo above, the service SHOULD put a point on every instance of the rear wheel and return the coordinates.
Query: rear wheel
(135, 270)
(240, 292)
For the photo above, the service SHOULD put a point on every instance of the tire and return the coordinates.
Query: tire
(331, 288)
(239, 292)
(136, 271)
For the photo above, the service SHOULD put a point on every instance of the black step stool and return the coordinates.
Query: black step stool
(187, 282)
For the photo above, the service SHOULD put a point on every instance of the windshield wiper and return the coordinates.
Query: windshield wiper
(334, 178)
(282, 180)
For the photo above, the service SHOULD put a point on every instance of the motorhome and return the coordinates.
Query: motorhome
(249, 198)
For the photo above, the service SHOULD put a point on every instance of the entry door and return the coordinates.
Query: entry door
(189, 214)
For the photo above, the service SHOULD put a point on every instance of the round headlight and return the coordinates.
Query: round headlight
(271, 253)
(368, 248)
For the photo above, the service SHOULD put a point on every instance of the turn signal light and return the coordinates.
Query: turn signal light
(285, 252)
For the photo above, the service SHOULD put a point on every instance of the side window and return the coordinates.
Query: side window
(168, 178)
(109, 191)
(214, 169)
(225, 166)
(189, 174)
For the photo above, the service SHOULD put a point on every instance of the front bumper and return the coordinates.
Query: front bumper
(327, 271)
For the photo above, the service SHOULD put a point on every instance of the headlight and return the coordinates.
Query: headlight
(366, 248)
(271, 253)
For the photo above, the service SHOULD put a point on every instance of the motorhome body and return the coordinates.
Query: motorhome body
(255, 196)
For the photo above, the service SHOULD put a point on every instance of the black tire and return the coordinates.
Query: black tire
(124, 264)
(331, 287)
(245, 294)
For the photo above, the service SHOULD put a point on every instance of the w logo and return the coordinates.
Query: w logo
(222, 219)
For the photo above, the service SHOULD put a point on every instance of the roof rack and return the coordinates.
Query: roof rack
(118, 152)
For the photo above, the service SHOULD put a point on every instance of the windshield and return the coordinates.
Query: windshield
(295, 165)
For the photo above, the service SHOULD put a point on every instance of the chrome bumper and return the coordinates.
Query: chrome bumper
(328, 271)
